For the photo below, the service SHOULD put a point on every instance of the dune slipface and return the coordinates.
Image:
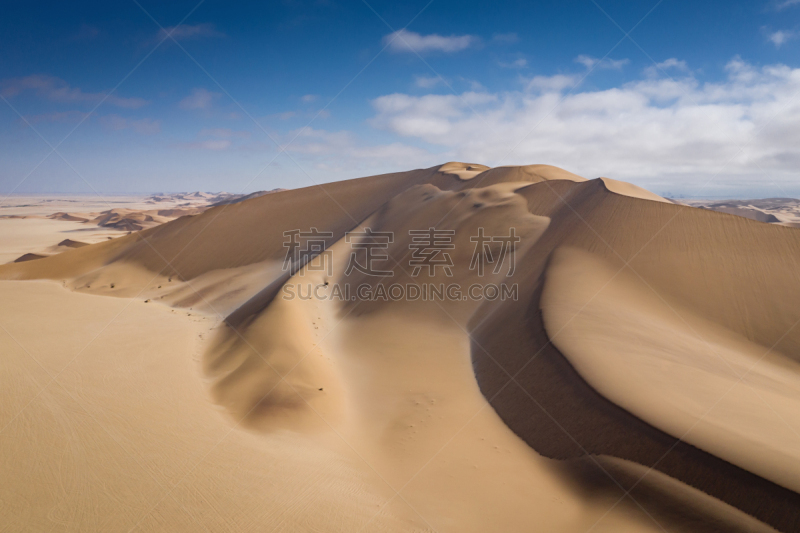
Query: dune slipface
(642, 372)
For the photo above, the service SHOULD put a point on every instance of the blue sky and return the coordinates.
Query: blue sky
(699, 99)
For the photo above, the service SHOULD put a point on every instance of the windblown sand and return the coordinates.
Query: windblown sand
(160, 381)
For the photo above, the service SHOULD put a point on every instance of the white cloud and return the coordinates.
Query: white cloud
(341, 151)
(556, 83)
(215, 140)
(307, 99)
(199, 99)
(780, 37)
(189, 31)
(592, 62)
(223, 133)
(788, 3)
(586, 61)
(427, 82)
(58, 90)
(214, 145)
(57, 116)
(409, 41)
(668, 64)
(673, 63)
(474, 85)
(144, 126)
(652, 131)
(427, 115)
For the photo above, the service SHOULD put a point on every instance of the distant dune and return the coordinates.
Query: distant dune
(28, 257)
(69, 243)
(784, 211)
(67, 216)
(645, 375)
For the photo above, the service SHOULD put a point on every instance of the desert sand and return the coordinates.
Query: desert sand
(644, 377)
(784, 211)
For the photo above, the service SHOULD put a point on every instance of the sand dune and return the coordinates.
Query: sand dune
(67, 216)
(69, 243)
(637, 322)
(88, 224)
(629, 189)
(784, 211)
(28, 257)
(674, 369)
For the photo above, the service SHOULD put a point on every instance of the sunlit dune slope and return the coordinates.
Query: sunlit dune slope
(738, 275)
(637, 322)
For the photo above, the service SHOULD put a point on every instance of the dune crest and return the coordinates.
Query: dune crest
(634, 191)
(463, 171)
(673, 369)
(468, 404)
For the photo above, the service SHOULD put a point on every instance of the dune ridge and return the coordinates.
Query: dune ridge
(597, 264)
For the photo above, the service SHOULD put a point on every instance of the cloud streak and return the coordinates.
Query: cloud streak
(57, 90)
(56, 116)
(517, 63)
(223, 133)
(409, 41)
(344, 153)
(672, 64)
(788, 3)
(144, 126)
(211, 145)
(199, 98)
(189, 31)
(427, 82)
(592, 62)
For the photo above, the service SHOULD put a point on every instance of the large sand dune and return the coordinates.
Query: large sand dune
(644, 378)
